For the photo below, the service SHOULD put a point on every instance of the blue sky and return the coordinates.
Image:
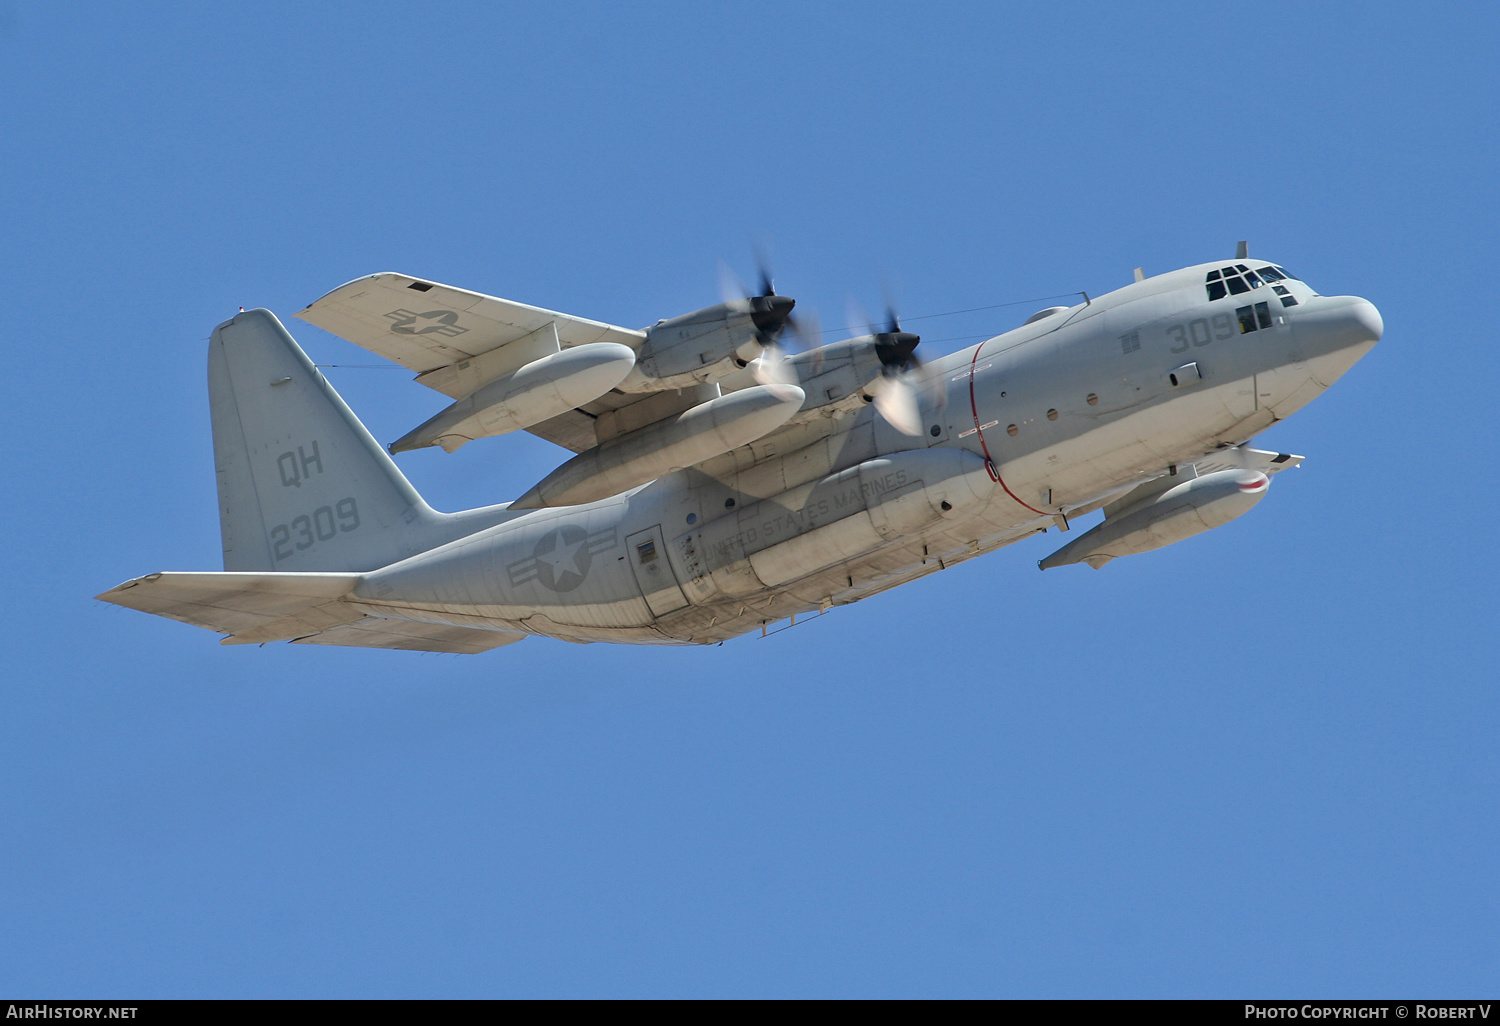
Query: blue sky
(1259, 762)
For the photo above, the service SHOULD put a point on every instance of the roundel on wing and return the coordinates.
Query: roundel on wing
(433, 322)
(563, 558)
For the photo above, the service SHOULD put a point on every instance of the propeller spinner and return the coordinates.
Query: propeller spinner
(898, 400)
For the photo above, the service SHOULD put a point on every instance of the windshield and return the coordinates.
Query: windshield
(1237, 279)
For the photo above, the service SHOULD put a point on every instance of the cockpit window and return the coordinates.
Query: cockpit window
(1253, 318)
(1239, 279)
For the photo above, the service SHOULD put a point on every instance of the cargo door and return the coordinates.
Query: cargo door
(647, 552)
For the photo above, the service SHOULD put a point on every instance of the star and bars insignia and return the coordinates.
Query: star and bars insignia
(562, 557)
(433, 322)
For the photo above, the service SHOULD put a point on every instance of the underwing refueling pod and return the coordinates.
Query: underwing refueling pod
(537, 390)
(711, 428)
(1160, 513)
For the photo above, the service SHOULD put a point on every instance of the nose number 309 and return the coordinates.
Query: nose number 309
(1200, 331)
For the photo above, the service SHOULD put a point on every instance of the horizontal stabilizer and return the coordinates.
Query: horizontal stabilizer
(254, 608)
(379, 632)
(243, 603)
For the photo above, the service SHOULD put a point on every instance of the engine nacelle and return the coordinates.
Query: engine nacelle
(707, 344)
(830, 373)
(1177, 513)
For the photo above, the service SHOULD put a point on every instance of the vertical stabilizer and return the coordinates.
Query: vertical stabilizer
(302, 485)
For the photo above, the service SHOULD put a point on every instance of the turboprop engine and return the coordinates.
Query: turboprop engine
(707, 344)
(1170, 516)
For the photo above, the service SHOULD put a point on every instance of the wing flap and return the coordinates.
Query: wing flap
(573, 430)
(615, 413)
(425, 326)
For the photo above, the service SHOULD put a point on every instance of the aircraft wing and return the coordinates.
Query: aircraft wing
(1243, 458)
(438, 330)
(425, 326)
(1267, 463)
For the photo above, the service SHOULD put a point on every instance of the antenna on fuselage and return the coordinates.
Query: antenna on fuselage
(1242, 251)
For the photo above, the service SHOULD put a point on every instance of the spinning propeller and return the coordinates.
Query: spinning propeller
(772, 315)
(901, 389)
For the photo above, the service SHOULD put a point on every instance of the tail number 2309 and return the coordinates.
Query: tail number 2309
(323, 524)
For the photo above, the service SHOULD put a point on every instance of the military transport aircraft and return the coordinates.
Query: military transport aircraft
(720, 484)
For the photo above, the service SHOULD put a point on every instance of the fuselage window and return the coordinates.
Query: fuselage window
(1263, 313)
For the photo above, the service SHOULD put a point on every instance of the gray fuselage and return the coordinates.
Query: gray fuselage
(1048, 420)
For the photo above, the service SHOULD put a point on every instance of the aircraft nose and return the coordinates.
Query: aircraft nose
(1339, 322)
(1335, 332)
(1365, 322)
